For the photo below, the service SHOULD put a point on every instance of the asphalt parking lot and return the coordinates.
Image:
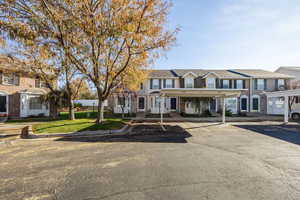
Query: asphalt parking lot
(189, 161)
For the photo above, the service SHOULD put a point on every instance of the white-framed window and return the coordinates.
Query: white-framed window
(40, 84)
(255, 103)
(10, 79)
(244, 103)
(35, 103)
(169, 83)
(211, 83)
(225, 84)
(155, 84)
(281, 83)
(239, 84)
(189, 82)
(260, 84)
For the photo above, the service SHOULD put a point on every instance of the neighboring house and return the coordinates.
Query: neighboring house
(20, 92)
(294, 84)
(252, 84)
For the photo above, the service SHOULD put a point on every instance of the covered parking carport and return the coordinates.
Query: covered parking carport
(286, 94)
(200, 92)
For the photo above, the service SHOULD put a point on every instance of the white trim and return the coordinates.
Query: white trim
(206, 81)
(2, 93)
(195, 75)
(138, 109)
(247, 98)
(258, 97)
(211, 73)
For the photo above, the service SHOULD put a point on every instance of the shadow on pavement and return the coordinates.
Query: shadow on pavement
(139, 133)
(8, 136)
(288, 133)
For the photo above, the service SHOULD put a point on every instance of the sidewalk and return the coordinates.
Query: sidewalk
(212, 119)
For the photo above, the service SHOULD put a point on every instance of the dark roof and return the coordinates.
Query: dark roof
(260, 73)
(162, 74)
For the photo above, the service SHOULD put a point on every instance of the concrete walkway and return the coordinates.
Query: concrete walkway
(215, 119)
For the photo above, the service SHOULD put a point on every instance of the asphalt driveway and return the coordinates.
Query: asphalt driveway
(189, 161)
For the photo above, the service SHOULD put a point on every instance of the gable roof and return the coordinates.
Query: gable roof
(162, 74)
(203, 72)
(290, 68)
(259, 73)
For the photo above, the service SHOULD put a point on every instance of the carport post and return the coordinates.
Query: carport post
(286, 109)
(224, 111)
(162, 105)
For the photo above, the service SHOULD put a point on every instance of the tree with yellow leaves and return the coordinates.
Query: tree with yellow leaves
(103, 39)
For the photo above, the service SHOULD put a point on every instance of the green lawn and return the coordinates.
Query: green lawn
(78, 125)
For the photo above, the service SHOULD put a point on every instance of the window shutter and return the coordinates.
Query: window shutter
(159, 83)
(230, 83)
(217, 83)
(173, 83)
(255, 84)
(265, 84)
(151, 83)
(235, 84)
(244, 84)
(16, 80)
(221, 81)
(276, 84)
(164, 81)
(1, 77)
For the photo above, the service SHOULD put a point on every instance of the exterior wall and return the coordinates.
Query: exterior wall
(14, 93)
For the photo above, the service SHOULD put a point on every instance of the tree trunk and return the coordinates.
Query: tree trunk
(53, 110)
(100, 115)
(71, 109)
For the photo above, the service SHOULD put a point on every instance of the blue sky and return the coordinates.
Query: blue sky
(261, 34)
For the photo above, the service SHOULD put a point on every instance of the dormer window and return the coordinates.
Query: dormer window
(169, 83)
(226, 84)
(211, 83)
(189, 82)
(155, 84)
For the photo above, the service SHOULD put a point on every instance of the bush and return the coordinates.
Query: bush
(206, 113)
(228, 113)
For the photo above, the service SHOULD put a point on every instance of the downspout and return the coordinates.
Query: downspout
(250, 94)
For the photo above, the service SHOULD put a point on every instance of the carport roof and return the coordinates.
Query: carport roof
(201, 92)
(284, 93)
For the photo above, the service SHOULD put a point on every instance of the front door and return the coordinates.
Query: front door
(141, 103)
(173, 104)
(3, 108)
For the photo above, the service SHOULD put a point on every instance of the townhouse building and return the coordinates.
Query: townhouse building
(20, 92)
(195, 91)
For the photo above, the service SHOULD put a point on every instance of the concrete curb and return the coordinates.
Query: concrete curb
(27, 133)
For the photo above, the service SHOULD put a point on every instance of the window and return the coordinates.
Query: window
(10, 79)
(189, 82)
(155, 84)
(255, 103)
(239, 84)
(244, 103)
(260, 84)
(156, 102)
(281, 83)
(40, 84)
(169, 83)
(35, 103)
(226, 84)
(211, 83)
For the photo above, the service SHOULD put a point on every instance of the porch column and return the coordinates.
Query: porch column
(162, 106)
(286, 109)
(224, 111)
